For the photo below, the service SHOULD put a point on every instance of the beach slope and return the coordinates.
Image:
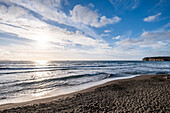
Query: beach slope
(146, 93)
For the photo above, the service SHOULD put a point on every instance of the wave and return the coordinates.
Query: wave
(25, 85)
(163, 72)
(28, 68)
(50, 67)
(55, 68)
(31, 71)
(59, 75)
(58, 79)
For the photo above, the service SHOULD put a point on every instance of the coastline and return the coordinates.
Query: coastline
(116, 86)
(65, 91)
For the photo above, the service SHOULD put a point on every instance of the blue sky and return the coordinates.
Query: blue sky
(84, 29)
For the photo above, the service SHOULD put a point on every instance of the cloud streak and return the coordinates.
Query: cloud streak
(117, 37)
(125, 4)
(152, 18)
(107, 31)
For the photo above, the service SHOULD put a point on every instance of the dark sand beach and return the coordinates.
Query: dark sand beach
(146, 93)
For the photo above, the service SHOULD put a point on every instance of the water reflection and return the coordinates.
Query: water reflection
(41, 62)
(40, 89)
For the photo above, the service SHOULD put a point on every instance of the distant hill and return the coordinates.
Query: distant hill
(163, 58)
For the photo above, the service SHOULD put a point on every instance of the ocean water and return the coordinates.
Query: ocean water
(24, 80)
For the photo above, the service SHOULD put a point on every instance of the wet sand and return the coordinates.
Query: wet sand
(146, 93)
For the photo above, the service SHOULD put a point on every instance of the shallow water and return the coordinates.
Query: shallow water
(24, 80)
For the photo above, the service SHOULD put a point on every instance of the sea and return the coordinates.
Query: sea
(22, 81)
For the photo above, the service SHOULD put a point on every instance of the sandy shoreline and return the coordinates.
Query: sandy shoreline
(141, 93)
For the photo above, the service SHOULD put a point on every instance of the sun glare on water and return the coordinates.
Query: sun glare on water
(41, 62)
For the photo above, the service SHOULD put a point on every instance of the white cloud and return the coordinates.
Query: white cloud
(89, 17)
(159, 35)
(154, 45)
(50, 10)
(103, 35)
(46, 39)
(117, 37)
(49, 42)
(107, 31)
(4, 52)
(152, 18)
(91, 5)
(104, 20)
(153, 40)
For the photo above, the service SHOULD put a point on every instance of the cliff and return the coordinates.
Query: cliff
(156, 59)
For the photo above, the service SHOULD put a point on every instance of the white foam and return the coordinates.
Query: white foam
(59, 91)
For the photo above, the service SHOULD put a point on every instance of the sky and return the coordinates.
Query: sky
(84, 29)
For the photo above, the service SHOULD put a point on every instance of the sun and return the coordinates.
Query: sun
(42, 41)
